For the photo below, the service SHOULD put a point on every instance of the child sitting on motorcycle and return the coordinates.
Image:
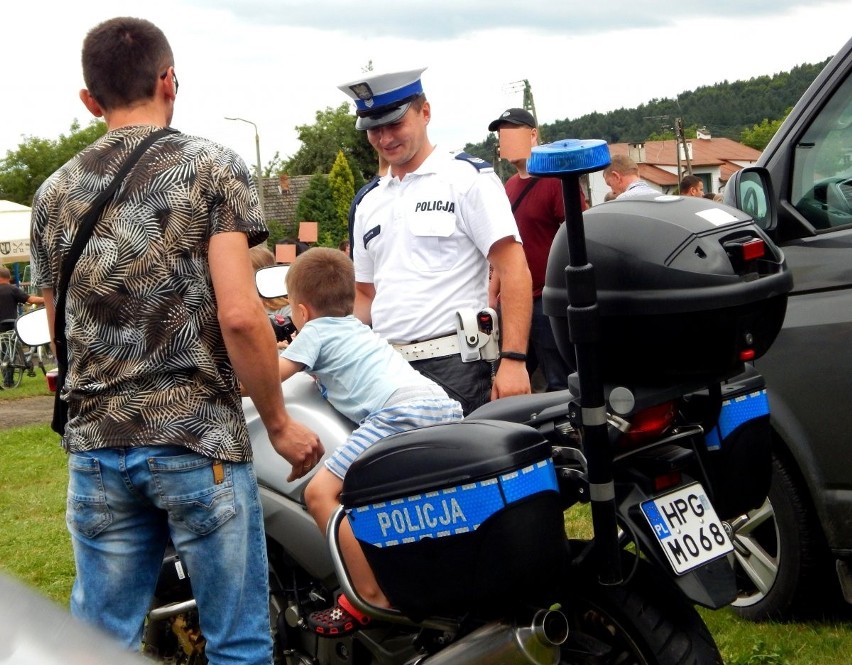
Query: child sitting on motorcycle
(365, 379)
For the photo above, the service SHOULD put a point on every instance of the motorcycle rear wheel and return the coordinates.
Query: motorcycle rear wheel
(645, 621)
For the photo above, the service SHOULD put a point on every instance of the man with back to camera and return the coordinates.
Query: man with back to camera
(622, 177)
(539, 209)
(422, 242)
(161, 318)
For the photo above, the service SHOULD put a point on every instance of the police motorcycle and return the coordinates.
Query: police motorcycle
(663, 437)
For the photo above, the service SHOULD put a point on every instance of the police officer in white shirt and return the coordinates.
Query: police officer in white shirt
(422, 241)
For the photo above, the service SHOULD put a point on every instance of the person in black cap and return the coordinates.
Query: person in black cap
(539, 210)
(423, 239)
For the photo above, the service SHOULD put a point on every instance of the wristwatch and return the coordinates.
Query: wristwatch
(513, 355)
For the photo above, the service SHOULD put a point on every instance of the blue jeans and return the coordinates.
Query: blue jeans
(125, 503)
(544, 352)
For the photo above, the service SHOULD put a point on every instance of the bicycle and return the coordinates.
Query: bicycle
(17, 358)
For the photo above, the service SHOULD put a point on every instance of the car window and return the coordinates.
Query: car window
(822, 166)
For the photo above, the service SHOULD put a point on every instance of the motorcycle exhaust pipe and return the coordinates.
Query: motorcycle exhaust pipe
(502, 644)
(170, 610)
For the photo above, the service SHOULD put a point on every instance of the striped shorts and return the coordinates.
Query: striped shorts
(407, 408)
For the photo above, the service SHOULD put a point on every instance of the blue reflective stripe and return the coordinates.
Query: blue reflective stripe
(387, 98)
(447, 512)
(734, 413)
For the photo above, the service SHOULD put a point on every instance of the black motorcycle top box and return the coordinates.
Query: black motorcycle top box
(687, 289)
(459, 517)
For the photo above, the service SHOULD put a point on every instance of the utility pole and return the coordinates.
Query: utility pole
(681, 142)
(677, 151)
(257, 165)
(528, 103)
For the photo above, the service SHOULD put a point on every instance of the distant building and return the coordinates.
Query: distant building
(713, 160)
(281, 196)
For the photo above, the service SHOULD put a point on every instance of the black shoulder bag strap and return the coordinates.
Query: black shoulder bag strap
(60, 407)
(524, 192)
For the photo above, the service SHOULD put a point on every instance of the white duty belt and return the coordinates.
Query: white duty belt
(439, 347)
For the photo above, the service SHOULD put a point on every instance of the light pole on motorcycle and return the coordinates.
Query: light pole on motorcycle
(568, 160)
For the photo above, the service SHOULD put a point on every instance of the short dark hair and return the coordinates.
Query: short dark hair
(418, 102)
(688, 182)
(122, 59)
(325, 279)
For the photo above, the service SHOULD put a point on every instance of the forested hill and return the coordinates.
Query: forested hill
(724, 109)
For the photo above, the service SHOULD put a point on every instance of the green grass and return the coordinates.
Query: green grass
(31, 386)
(805, 643)
(747, 643)
(35, 547)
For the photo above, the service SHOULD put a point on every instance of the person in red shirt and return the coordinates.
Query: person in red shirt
(539, 210)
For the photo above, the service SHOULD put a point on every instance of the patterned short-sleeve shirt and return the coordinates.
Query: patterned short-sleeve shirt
(147, 362)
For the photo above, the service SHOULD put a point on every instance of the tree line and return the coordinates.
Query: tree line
(340, 158)
(739, 110)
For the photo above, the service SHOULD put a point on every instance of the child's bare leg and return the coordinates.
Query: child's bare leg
(323, 497)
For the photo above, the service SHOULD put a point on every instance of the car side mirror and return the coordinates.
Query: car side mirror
(33, 328)
(750, 190)
(271, 282)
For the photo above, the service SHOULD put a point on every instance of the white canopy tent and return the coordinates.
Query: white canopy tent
(14, 232)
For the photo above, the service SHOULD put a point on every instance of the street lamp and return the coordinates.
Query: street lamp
(257, 166)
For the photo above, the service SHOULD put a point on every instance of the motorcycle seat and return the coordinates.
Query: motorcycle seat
(521, 408)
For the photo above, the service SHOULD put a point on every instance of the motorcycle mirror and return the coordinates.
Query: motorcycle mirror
(33, 328)
(271, 281)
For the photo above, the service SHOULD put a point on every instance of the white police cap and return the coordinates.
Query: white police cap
(383, 98)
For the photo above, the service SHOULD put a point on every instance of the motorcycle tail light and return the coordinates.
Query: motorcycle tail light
(742, 251)
(753, 249)
(666, 480)
(648, 424)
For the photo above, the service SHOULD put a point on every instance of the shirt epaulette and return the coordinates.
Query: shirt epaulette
(476, 162)
(360, 194)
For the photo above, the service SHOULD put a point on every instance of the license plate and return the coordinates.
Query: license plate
(687, 527)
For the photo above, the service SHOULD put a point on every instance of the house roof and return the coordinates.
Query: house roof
(281, 197)
(658, 176)
(725, 154)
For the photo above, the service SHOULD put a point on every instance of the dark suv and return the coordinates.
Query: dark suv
(801, 192)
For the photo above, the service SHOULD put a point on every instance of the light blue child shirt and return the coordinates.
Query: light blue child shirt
(356, 369)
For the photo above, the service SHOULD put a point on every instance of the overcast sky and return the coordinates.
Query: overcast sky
(277, 62)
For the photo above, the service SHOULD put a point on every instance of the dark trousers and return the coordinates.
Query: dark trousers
(468, 383)
(543, 352)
